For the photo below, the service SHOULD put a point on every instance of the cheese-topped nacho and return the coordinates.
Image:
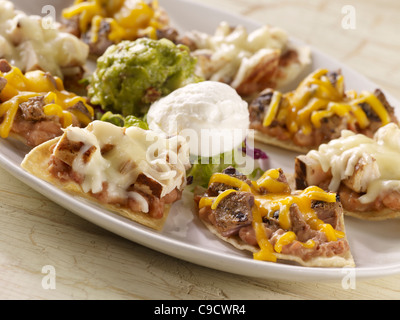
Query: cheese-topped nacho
(316, 112)
(275, 222)
(101, 23)
(133, 171)
(32, 43)
(35, 107)
(362, 170)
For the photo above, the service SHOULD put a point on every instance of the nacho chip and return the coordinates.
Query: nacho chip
(96, 164)
(360, 169)
(316, 112)
(275, 223)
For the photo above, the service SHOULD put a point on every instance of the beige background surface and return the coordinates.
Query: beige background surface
(92, 263)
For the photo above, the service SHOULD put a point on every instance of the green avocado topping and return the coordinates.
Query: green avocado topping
(133, 74)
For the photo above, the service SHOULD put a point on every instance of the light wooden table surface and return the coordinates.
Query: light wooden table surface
(92, 263)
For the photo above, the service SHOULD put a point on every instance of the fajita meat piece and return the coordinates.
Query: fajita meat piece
(233, 213)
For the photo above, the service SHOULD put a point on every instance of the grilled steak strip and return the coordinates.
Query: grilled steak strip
(233, 213)
(216, 188)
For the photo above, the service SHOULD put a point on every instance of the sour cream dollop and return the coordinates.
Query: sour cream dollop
(210, 114)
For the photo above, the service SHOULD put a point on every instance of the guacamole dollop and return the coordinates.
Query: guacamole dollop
(132, 74)
(128, 121)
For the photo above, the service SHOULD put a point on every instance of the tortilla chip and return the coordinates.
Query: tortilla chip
(374, 215)
(284, 144)
(346, 260)
(36, 163)
(337, 261)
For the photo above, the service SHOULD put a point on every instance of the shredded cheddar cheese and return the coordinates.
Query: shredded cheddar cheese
(273, 108)
(266, 252)
(269, 182)
(220, 197)
(58, 101)
(286, 238)
(128, 19)
(317, 98)
(276, 199)
(231, 181)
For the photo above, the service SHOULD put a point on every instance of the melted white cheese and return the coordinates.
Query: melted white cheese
(230, 55)
(27, 43)
(144, 205)
(135, 151)
(341, 156)
(229, 48)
